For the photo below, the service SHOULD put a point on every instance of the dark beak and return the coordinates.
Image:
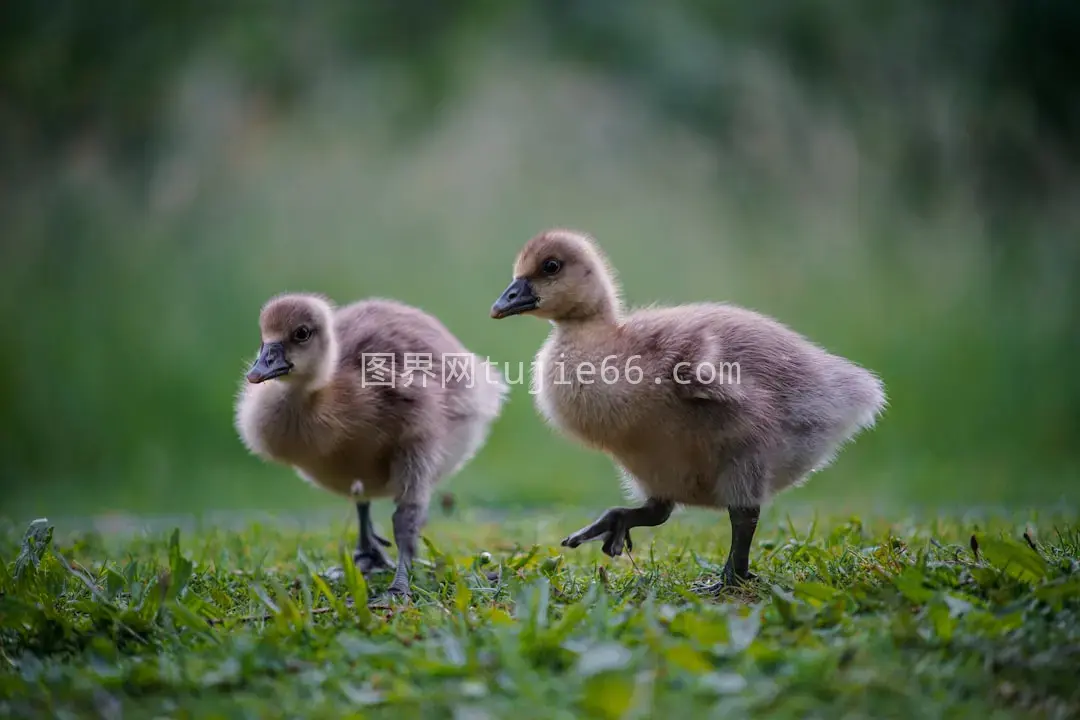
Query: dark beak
(516, 299)
(270, 364)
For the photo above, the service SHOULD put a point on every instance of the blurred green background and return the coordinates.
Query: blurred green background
(897, 180)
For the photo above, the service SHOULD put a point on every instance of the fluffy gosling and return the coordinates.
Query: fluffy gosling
(712, 405)
(367, 430)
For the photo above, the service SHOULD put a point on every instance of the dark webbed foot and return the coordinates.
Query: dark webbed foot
(729, 580)
(617, 540)
(398, 592)
(613, 527)
(372, 559)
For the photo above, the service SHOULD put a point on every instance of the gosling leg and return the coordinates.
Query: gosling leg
(613, 527)
(736, 570)
(369, 554)
(408, 519)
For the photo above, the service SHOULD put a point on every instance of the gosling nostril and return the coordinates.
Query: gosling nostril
(512, 295)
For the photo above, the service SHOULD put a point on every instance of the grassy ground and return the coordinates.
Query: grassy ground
(848, 618)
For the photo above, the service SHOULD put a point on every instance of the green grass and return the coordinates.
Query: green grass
(848, 618)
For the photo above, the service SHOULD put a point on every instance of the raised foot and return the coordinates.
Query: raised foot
(611, 528)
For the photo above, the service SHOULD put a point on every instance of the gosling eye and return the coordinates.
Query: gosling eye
(551, 266)
(301, 334)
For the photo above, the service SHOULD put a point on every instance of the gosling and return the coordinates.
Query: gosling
(703, 405)
(372, 400)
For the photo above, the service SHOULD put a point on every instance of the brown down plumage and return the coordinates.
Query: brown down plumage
(711, 405)
(312, 402)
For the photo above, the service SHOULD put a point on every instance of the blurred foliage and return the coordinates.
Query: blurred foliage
(66, 68)
(1003, 65)
(897, 180)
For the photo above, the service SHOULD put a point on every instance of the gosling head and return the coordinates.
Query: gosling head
(560, 275)
(298, 343)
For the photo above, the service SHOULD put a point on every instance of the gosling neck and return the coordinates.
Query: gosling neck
(603, 319)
